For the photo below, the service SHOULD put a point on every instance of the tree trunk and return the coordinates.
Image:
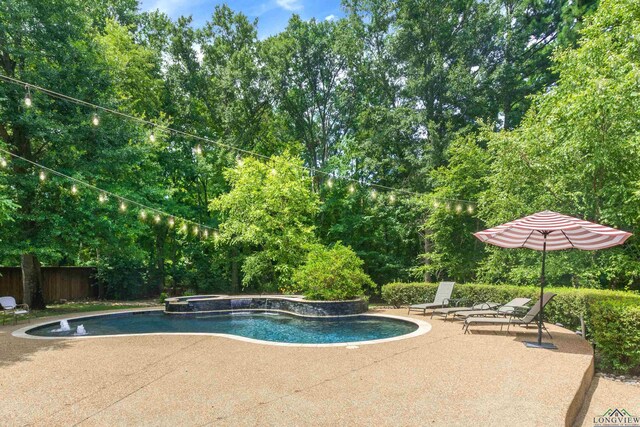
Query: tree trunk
(32, 282)
(235, 277)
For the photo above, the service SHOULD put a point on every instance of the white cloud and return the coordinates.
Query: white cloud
(289, 4)
(331, 17)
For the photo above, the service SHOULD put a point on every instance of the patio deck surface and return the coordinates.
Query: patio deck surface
(441, 378)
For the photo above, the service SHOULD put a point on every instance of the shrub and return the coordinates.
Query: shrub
(612, 318)
(332, 274)
(616, 332)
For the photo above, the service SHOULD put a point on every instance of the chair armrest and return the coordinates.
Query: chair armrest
(456, 302)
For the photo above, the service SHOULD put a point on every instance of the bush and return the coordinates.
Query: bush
(332, 274)
(612, 318)
(616, 332)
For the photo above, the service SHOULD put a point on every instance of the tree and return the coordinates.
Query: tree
(575, 153)
(268, 216)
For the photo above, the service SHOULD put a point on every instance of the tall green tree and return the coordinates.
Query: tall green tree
(268, 216)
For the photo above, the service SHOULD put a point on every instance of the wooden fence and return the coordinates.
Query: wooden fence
(70, 283)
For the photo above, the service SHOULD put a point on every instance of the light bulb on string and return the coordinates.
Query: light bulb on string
(330, 182)
(143, 214)
(152, 137)
(74, 189)
(197, 149)
(458, 208)
(239, 160)
(205, 233)
(436, 205)
(3, 162)
(274, 172)
(392, 198)
(183, 228)
(123, 206)
(102, 198)
(43, 176)
(95, 120)
(27, 97)
(470, 209)
(352, 188)
(171, 222)
(195, 230)
(157, 219)
(216, 235)
(374, 194)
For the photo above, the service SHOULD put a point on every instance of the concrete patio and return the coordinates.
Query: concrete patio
(441, 378)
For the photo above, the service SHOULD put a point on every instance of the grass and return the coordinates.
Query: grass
(87, 306)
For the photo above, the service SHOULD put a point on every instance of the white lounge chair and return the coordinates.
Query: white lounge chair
(10, 307)
(503, 310)
(442, 298)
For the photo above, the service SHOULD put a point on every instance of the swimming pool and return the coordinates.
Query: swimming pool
(266, 327)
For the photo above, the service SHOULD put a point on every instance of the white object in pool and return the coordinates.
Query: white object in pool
(80, 330)
(64, 327)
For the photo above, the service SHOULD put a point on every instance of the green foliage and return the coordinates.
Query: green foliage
(332, 274)
(612, 318)
(268, 217)
(616, 332)
(122, 278)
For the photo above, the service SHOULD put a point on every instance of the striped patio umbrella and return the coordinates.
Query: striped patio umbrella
(551, 231)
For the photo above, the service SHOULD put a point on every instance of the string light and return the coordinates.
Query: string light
(206, 233)
(96, 121)
(152, 137)
(27, 97)
(143, 214)
(183, 228)
(102, 198)
(3, 162)
(195, 230)
(157, 219)
(123, 206)
(274, 172)
(43, 176)
(239, 160)
(197, 149)
(470, 209)
(171, 222)
(392, 198)
(374, 194)
(216, 235)
(330, 182)
(74, 189)
(458, 208)
(352, 188)
(436, 205)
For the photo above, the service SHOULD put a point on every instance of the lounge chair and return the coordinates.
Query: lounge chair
(525, 320)
(442, 298)
(446, 311)
(503, 310)
(10, 307)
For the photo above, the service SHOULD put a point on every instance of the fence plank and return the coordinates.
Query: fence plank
(70, 283)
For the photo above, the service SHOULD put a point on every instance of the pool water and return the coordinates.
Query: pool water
(266, 326)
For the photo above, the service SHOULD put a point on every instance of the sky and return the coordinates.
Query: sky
(272, 14)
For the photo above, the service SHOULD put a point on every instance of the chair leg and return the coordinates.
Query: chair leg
(548, 333)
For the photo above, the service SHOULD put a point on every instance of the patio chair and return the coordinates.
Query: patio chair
(446, 311)
(525, 320)
(503, 310)
(442, 299)
(10, 307)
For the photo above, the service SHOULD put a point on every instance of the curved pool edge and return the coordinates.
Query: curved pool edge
(423, 328)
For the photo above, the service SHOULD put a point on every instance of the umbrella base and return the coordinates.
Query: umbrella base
(534, 344)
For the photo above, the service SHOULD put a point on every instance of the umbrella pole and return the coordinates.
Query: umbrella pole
(539, 343)
(542, 280)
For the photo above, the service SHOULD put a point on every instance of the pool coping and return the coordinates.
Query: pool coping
(423, 328)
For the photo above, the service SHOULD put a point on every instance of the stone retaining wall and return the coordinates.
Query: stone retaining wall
(291, 305)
